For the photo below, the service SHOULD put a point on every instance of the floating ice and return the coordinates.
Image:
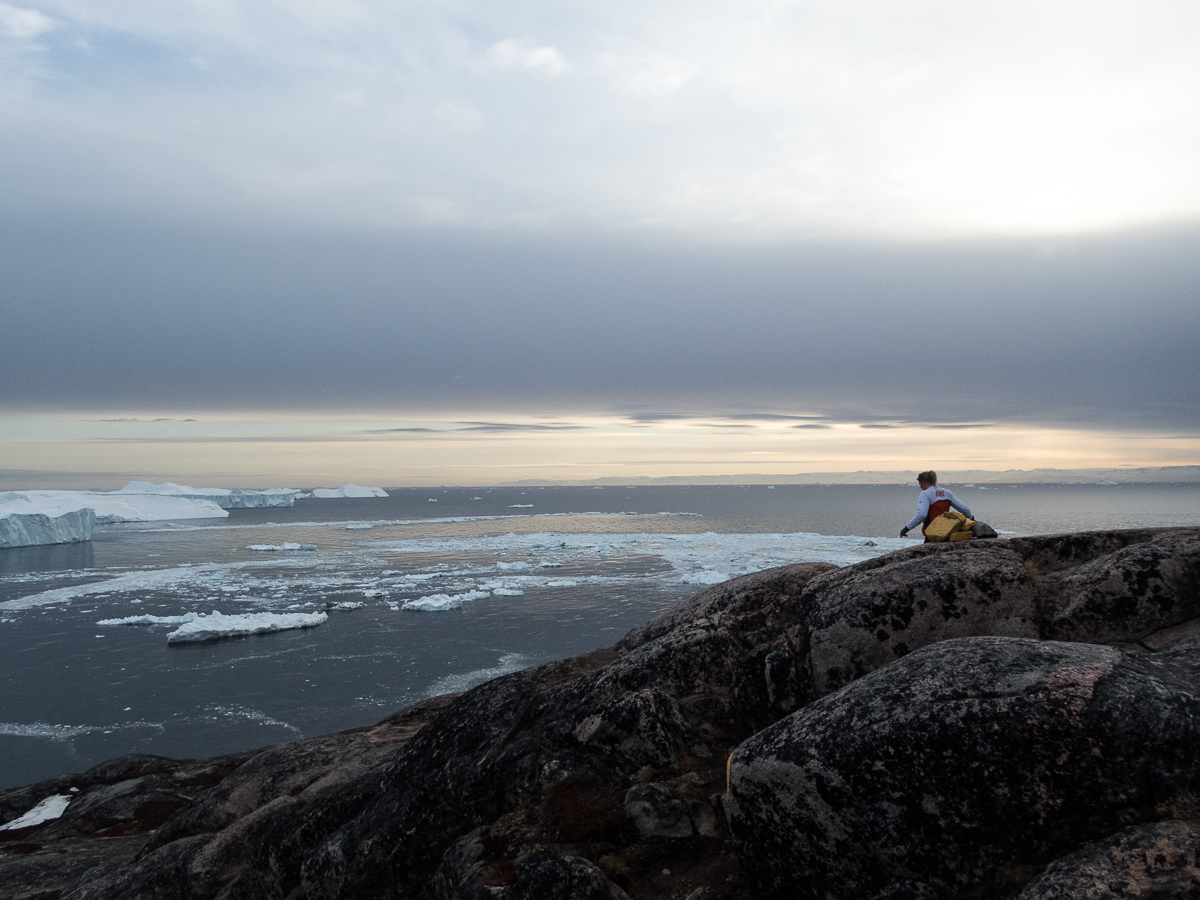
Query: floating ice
(707, 577)
(151, 620)
(451, 684)
(438, 602)
(562, 582)
(356, 604)
(521, 506)
(109, 507)
(349, 490)
(287, 545)
(30, 529)
(359, 526)
(513, 565)
(49, 809)
(216, 626)
(236, 498)
(508, 592)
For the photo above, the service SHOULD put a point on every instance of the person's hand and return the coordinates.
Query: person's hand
(904, 531)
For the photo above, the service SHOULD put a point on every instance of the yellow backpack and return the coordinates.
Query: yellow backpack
(949, 526)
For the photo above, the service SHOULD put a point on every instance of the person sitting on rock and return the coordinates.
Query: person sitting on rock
(932, 502)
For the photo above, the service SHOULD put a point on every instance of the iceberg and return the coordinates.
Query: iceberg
(349, 490)
(109, 506)
(236, 498)
(438, 602)
(215, 626)
(30, 529)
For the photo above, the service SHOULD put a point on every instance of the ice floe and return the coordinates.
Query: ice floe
(438, 602)
(349, 490)
(285, 546)
(216, 626)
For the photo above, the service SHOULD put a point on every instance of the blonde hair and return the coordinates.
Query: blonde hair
(929, 477)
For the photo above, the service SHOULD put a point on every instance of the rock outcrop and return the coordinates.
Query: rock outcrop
(970, 719)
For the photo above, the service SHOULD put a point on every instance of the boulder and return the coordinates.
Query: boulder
(655, 812)
(965, 768)
(1097, 587)
(1143, 861)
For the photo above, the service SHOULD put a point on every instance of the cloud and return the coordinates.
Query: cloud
(500, 427)
(515, 54)
(762, 123)
(23, 23)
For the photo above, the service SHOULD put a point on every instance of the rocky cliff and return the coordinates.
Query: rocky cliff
(983, 719)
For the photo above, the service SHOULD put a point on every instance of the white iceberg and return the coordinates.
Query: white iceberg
(286, 545)
(237, 498)
(216, 626)
(30, 529)
(438, 602)
(109, 506)
(349, 490)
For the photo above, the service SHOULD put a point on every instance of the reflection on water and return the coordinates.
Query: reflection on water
(46, 558)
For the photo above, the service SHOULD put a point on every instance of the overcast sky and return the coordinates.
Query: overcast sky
(864, 213)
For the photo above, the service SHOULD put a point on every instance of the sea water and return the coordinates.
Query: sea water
(421, 593)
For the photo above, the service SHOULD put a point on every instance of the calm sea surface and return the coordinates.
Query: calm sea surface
(532, 574)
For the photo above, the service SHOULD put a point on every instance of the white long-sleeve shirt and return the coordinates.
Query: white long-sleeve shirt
(932, 495)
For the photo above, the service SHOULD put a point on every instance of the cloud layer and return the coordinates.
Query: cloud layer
(849, 213)
(777, 119)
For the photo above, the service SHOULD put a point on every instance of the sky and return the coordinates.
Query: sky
(251, 244)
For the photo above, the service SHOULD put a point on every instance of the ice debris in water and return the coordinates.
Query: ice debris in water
(355, 604)
(151, 620)
(438, 602)
(707, 577)
(215, 626)
(287, 545)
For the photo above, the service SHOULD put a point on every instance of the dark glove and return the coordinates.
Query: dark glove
(904, 531)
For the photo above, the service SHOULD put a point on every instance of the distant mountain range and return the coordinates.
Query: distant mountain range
(1146, 475)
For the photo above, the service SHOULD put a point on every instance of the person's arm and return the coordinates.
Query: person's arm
(922, 512)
